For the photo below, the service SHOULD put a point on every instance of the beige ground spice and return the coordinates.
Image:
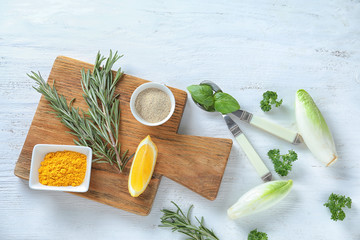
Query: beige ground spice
(153, 105)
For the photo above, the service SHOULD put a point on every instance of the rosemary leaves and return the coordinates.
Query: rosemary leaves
(98, 127)
(180, 222)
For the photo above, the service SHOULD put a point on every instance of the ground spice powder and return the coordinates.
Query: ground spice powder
(153, 105)
(63, 168)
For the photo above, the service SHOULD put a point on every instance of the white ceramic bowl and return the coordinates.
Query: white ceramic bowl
(142, 88)
(38, 155)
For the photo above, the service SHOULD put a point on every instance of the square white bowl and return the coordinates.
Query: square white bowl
(38, 155)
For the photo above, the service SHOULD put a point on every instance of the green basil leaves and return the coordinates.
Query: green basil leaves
(203, 94)
(220, 102)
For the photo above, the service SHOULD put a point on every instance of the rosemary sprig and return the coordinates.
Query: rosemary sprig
(97, 128)
(180, 222)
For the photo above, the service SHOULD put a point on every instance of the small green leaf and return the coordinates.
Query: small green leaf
(225, 103)
(209, 108)
(202, 94)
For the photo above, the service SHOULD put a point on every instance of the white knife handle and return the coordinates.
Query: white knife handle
(254, 158)
(275, 129)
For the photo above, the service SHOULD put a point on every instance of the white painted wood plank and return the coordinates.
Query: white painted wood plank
(247, 47)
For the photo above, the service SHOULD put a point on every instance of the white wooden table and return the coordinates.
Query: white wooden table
(247, 47)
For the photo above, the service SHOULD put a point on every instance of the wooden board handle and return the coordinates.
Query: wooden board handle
(191, 164)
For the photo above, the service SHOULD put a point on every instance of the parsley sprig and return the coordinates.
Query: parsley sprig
(284, 166)
(255, 235)
(269, 99)
(335, 204)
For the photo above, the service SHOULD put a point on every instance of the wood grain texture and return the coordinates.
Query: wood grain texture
(195, 162)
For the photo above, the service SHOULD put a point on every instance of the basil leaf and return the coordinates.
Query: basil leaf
(210, 108)
(202, 94)
(225, 103)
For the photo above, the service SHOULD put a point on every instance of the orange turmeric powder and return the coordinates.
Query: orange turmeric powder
(63, 168)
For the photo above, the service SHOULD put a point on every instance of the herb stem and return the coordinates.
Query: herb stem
(180, 222)
(97, 128)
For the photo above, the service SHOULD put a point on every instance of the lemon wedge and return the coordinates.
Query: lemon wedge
(142, 167)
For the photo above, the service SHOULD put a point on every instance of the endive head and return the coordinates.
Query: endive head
(312, 111)
(313, 128)
(260, 198)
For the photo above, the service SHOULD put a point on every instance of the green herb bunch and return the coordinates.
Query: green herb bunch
(284, 166)
(98, 127)
(180, 222)
(335, 204)
(221, 102)
(255, 235)
(269, 99)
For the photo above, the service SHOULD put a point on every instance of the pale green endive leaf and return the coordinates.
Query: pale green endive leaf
(260, 198)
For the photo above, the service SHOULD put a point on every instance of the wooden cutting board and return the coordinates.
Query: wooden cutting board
(198, 163)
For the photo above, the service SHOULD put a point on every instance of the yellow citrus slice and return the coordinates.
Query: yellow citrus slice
(142, 167)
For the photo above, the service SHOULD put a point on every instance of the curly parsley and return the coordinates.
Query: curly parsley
(335, 204)
(284, 166)
(255, 235)
(269, 98)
